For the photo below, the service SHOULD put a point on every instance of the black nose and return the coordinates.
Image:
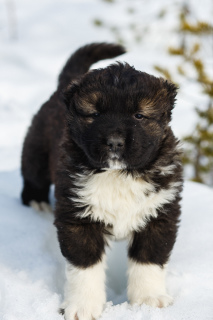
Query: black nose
(115, 143)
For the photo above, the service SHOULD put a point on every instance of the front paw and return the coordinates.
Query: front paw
(160, 301)
(147, 285)
(84, 292)
(89, 310)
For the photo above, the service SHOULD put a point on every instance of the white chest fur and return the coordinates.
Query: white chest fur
(119, 200)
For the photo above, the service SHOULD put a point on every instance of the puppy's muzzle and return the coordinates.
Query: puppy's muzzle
(115, 145)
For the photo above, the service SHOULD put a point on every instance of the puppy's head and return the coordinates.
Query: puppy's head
(119, 116)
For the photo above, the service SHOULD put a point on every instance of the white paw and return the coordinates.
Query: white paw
(40, 206)
(87, 310)
(147, 285)
(160, 301)
(84, 292)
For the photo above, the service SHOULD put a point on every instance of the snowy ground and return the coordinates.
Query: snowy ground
(31, 266)
(32, 269)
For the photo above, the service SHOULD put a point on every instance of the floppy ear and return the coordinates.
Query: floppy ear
(172, 92)
(68, 93)
(171, 89)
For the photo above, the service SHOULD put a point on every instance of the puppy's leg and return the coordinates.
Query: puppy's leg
(35, 171)
(35, 195)
(148, 255)
(147, 285)
(83, 246)
(84, 291)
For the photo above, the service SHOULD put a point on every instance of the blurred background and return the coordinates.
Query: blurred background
(169, 38)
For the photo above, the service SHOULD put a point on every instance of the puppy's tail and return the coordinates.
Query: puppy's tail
(80, 62)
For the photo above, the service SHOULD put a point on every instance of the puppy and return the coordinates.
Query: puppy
(107, 145)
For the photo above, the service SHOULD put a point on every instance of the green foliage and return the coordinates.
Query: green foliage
(199, 150)
(199, 144)
(98, 22)
(200, 27)
(165, 72)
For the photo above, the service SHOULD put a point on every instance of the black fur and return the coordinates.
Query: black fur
(116, 113)
(155, 242)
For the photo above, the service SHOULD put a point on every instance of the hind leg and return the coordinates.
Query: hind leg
(35, 171)
(32, 192)
(36, 195)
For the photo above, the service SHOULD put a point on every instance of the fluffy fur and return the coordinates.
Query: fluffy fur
(111, 195)
(107, 145)
(147, 285)
(84, 291)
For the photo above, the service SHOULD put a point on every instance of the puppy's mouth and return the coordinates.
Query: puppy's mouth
(110, 160)
(114, 156)
(115, 161)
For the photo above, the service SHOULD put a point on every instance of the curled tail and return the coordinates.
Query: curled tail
(80, 62)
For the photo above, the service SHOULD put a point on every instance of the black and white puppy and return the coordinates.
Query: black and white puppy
(115, 162)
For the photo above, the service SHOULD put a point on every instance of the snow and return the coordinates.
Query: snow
(32, 268)
(31, 265)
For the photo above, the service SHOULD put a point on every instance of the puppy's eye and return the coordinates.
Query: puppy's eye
(139, 116)
(95, 115)
(92, 115)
